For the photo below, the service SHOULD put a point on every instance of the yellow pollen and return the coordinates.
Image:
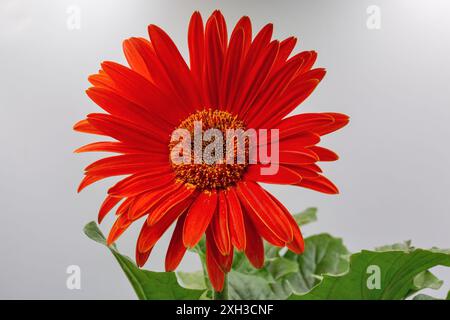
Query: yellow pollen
(219, 175)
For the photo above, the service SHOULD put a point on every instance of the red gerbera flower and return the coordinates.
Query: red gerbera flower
(236, 83)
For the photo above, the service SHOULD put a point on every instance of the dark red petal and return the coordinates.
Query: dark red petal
(219, 225)
(266, 216)
(286, 47)
(324, 154)
(222, 26)
(142, 257)
(109, 203)
(150, 234)
(138, 183)
(300, 156)
(297, 245)
(320, 183)
(236, 220)
(245, 24)
(198, 218)
(303, 122)
(128, 132)
(122, 223)
(215, 273)
(121, 108)
(232, 64)
(196, 41)
(181, 196)
(88, 180)
(254, 77)
(214, 61)
(224, 261)
(139, 90)
(108, 146)
(124, 164)
(148, 200)
(176, 249)
(285, 175)
(175, 66)
(255, 247)
(275, 85)
(340, 120)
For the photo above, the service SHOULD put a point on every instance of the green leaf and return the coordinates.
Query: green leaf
(305, 217)
(424, 297)
(397, 270)
(403, 246)
(281, 267)
(252, 287)
(426, 280)
(148, 285)
(192, 280)
(323, 254)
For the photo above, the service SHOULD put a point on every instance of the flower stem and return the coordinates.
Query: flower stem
(222, 295)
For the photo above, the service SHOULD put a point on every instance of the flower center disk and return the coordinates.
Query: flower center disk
(204, 174)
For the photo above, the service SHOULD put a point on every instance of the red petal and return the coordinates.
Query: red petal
(285, 175)
(139, 182)
(170, 202)
(215, 273)
(300, 156)
(245, 24)
(224, 261)
(139, 90)
(118, 228)
(320, 183)
(85, 127)
(236, 220)
(275, 85)
(149, 200)
(324, 154)
(214, 61)
(124, 164)
(108, 146)
(297, 244)
(286, 47)
(270, 222)
(340, 120)
(135, 59)
(219, 225)
(118, 106)
(176, 249)
(88, 180)
(196, 40)
(253, 80)
(127, 132)
(255, 247)
(106, 206)
(142, 257)
(175, 66)
(150, 234)
(198, 218)
(232, 64)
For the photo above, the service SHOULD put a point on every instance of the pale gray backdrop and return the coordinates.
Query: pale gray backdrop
(393, 173)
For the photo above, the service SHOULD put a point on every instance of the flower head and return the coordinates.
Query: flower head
(235, 82)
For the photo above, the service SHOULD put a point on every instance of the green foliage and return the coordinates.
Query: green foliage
(326, 270)
(148, 285)
(395, 270)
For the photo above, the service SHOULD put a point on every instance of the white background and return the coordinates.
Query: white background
(393, 174)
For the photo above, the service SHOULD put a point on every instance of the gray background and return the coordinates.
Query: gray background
(393, 173)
